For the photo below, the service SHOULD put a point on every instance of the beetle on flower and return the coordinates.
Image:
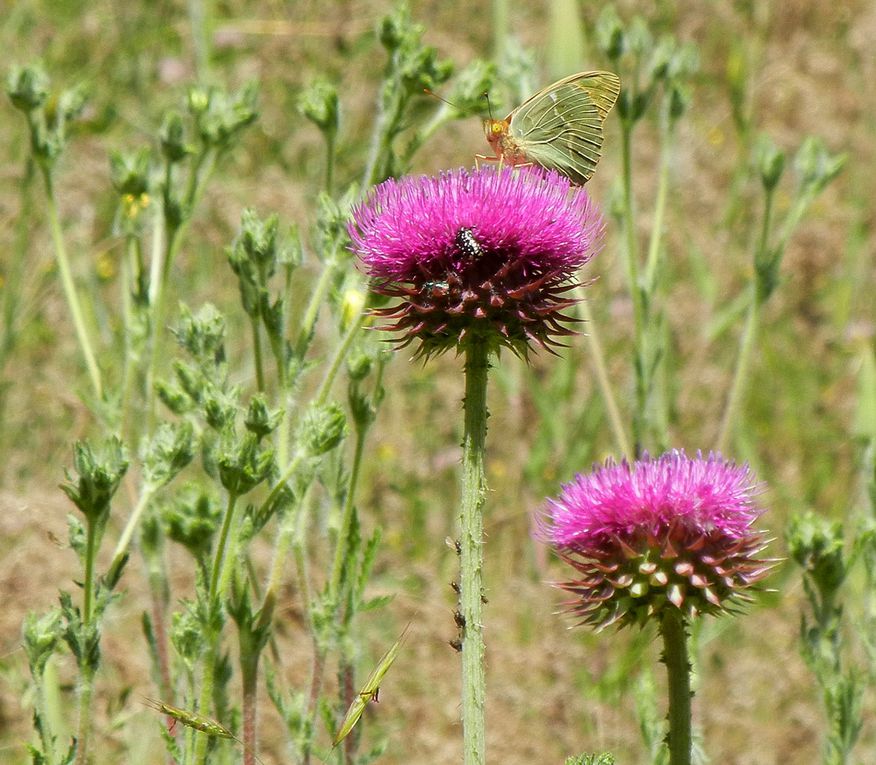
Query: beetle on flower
(490, 252)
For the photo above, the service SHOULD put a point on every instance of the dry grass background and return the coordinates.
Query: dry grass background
(813, 69)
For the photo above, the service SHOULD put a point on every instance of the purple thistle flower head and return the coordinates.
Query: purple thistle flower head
(489, 253)
(670, 532)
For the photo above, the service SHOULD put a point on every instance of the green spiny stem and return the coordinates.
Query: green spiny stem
(740, 376)
(285, 538)
(673, 629)
(290, 470)
(631, 260)
(70, 287)
(131, 353)
(381, 141)
(221, 560)
(161, 267)
(340, 354)
(342, 544)
(500, 29)
(54, 701)
(597, 356)
(131, 525)
(219, 576)
(329, 161)
(749, 333)
(208, 677)
(471, 552)
(654, 249)
(12, 288)
(158, 592)
(86, 679)
(249, 666)
(312, 311)
(257, 354)
(317, 672)
(202, 35)
(631, 249)
(86, 689)
(41, 713)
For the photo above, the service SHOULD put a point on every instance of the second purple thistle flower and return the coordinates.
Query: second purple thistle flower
(488, 253)
(666, 532)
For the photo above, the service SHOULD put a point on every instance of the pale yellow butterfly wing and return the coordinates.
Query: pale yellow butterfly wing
(560, 127)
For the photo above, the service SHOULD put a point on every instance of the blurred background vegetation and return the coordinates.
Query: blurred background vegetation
(784, 69)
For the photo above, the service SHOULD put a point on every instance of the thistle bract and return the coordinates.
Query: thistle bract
(670, 532)
(490, 252)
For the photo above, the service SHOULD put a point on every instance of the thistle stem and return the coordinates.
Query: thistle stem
(653, 258)
(86, 680)
(343, 542)
(249, 675)
(340, 354)
(749, 333)
(471, 558)
(308, 320)
(631, 249)
(257, 355)
(131, 525)
(219, 576)
(743, 362)
(674, 633)
(131, 352)
(597, 356)
(70, 287)
(220, 562)
(631, 258)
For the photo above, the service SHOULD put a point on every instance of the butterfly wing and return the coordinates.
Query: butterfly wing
(560, 127)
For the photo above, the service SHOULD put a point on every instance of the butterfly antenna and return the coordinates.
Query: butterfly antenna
(440, 98)
(489, 105)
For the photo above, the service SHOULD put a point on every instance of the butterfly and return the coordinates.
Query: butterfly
(558, 128)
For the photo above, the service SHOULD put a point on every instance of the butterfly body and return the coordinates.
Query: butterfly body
(559, 128)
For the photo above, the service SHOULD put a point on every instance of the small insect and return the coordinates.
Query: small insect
(467, 244)
(370, 691)
(558, 128)
(459, 619)
(192, 720)
(455, 587)
(436, 289)
(453, 544)
(455, 644)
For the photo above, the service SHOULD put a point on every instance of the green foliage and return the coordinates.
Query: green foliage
(98, 474)
(817, 546)
(591, 759)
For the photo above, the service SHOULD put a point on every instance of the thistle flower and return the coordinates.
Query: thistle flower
(489, 252)
(670, 532)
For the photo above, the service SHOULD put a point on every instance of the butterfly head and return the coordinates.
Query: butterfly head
(496, 131)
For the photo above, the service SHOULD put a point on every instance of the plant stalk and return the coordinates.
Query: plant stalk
(218, 580)
(249, 676)
(674, 633)
(471, 557)
(70, 287)
(597, 356)
(86, 680)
